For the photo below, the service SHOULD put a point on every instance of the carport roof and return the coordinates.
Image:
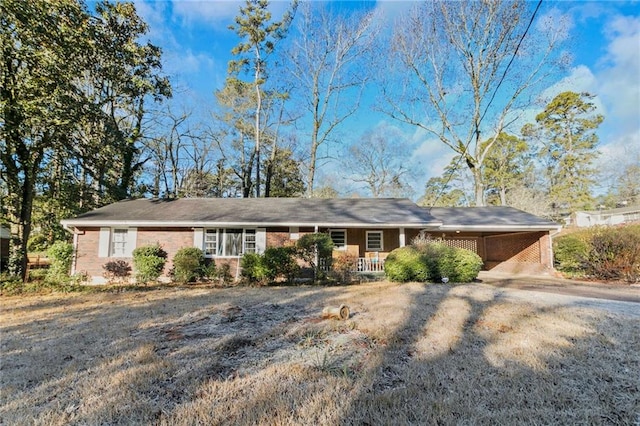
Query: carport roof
(490, 219)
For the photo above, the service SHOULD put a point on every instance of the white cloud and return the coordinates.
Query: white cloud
(619, 71)
(154, 13)
(214, 12)
(218, 12)
(430, 155)
(388, 11)
(617, 83)
(580, 79)
(189, 62)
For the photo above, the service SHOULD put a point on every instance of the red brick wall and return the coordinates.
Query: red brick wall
(87, 260)
(524, 252)
(170, 239)
(511, 252)
(514, 252)
(279, 237)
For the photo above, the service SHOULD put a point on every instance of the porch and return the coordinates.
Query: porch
(361, 264)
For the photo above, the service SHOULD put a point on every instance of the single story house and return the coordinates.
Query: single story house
(369, 228)
(611, 217)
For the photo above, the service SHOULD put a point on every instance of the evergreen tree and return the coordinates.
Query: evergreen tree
(566, 132)
(259, 36)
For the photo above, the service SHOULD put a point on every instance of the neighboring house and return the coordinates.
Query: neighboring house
(585, 219)
(226, 228)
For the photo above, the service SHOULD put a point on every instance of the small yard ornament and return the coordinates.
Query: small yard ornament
(445, 279)
(341, 313)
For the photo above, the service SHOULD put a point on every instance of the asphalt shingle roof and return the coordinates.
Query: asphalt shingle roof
(266, 211)
(490, 217)
(332, 212)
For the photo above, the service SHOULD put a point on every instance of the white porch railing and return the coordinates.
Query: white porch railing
(363, 264)
(370, 264)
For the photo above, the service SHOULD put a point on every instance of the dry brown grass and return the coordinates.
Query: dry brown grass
(410, 354)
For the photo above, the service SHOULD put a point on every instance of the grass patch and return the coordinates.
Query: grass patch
(421, 354)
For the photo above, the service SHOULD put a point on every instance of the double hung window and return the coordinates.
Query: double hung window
(374, 241)
(339, 238)
(229, 242)
(117, 242)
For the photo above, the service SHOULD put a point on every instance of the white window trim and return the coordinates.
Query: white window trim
(381, 248)
(200, 234)
(105, 248)
(341, 248)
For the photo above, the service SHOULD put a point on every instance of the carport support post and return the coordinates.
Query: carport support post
(317, 258)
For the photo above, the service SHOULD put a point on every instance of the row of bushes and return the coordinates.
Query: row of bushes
(422, 261)
(189, 264)
(282, 262)
(604, 253)
(432, 262)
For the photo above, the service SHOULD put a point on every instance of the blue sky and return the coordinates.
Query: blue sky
(603, 38)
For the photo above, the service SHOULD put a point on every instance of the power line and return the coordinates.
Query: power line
(504, 74)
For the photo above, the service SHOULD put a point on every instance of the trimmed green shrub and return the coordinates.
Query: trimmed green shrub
(467, 266)
(251, 268)
(189, 264)
(60, 255)
(148, 262)
(432, 262)
(280, 262)
(439, 260)
(310, 244)
(406, 264)
(276, 262)
(570, 253)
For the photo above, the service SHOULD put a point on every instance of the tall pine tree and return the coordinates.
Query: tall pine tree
(566, 131)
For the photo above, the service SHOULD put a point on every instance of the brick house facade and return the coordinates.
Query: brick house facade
(506, 239)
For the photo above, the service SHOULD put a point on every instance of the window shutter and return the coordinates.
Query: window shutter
(103, 242)
(198, 238)
(261, 240)
(132, 239)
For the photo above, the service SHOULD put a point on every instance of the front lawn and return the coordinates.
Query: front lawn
(411, 353)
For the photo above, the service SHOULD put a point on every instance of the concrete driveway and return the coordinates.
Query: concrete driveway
(615, 298)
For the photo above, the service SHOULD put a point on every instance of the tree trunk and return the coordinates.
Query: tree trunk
(257, 121)
(312, 160)
(478, 186)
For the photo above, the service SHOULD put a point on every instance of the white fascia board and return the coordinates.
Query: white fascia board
(499, 228)
(189, 224)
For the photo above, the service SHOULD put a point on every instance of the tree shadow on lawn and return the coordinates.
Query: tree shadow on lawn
(503, 362)
(122, 358)
(425, 354)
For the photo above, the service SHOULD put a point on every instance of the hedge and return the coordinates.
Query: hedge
(432, 262)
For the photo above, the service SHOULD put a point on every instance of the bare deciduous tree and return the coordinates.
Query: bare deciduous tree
(469, 68)
(327, 61)
(379, 160)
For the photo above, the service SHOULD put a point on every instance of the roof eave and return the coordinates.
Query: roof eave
(500, 228)
(222, 224)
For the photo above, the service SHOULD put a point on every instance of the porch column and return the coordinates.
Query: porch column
(402, 238)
